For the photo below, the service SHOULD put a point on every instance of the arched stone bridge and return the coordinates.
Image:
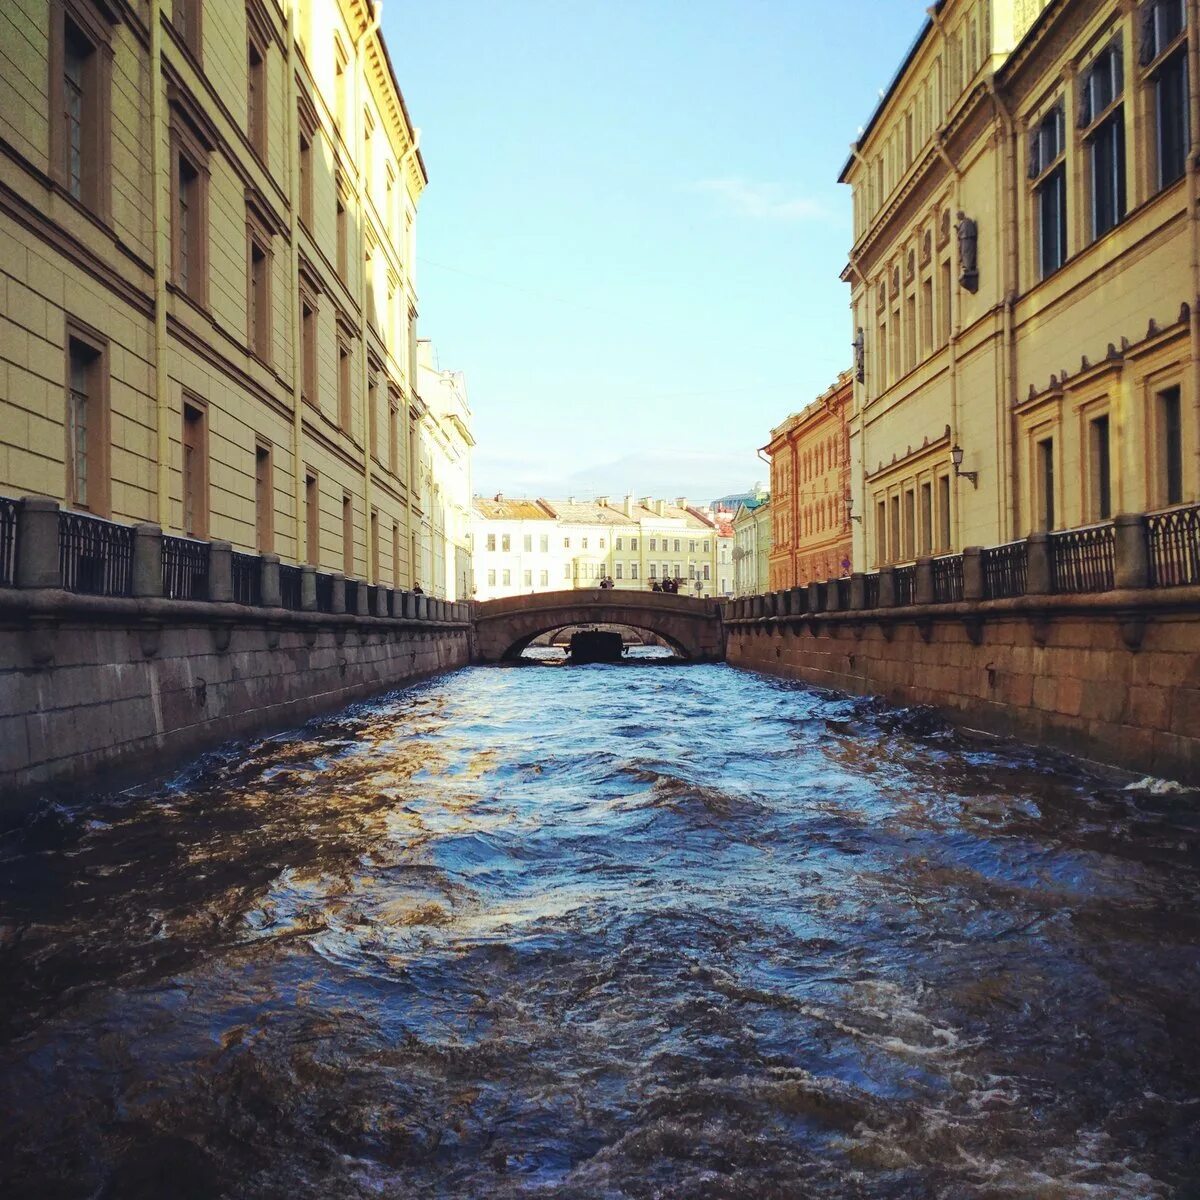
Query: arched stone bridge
(503, 628)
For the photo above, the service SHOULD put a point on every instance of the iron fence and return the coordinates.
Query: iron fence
(352, 595)
(8, 541)
(1083, 560)
(1005, 569)
(94, 555)
(871, 590)
(289, 586)
(247, 579)
(1174, 538)
(906, 582)
(948, 579)
(184, 568)
(324, 593)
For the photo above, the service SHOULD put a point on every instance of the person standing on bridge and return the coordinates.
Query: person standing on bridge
(418, 590)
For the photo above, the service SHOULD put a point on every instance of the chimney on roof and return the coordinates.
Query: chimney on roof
(646, 502)
(499, 497)
(603, 501)
(681, 502)
(570, 499)
(660, 507)
(629, 506)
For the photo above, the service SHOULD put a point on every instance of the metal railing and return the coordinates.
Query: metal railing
(1174, 545)
(1083, 560)
(184, 568)
(906, 583)
(1004, 570)
(871, 590)
(948, 579)
(94, 555)
(324, 593)
(247, 579)
(8, 541)
(289, 586)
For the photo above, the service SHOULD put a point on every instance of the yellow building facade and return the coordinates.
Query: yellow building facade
(207, 238)
(1024, 275)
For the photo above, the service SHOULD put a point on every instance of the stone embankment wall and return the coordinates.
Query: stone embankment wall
(1114, 677)
(93, 682)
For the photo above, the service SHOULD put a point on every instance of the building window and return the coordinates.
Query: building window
(1102, 117)
(1170, 446)
(312, 518)
(944, 304)
(308, 348)
(1164, 53)
(341, 87)
(395, 554)
(264, 499)
(256, 95)
(654, 543)
(1044, 482)
(186, 17)
(1048, 170)
(1100, 472)
(195, 470)
(307, 125)
(633, 543)
(927, 317)
(528, 543)
(506, 543)
(544, 579)
(943, 512)
(583, 542)
(87, 423)
(347, 535)
(618, 544)
(343, 235)
(619, 570)
(374, 564)
(373, 413)
(344, 361)
(567, 571)
(393, 433)
(926, 518)
(80, 61)
(894, 529)
(491, 578)
(706, 573)
(566, 543)
(653, 571)
(506, 578)
(676, 545)
(190, 223)
(259, 298)
(633, 570)
(910, 523)
(544, 543)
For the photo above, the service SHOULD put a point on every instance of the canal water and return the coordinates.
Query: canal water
(604, 933)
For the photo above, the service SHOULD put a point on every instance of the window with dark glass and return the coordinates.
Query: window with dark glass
(312, 518)
(1163, 55)
(1170, 444)
(1045, 483)
(260, 298)
(195, 471)
(1102, 119)
(1048, 171)
(1101, 468)
(86, 425)
(256, 96)
(264, 499)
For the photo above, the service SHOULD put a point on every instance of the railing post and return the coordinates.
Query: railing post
(271, 595)
(1039, 580)
(308, 589)
(887, 587)
(973, 579)
(799, 601)
(858, 591)
(363, 607)
(410, 606)
(1131, 552)
(815, 598)
(833, 598)
(220, 572)
(37, 543)
(381, 603)
(923, 581)
(337, 592)
(147, 560)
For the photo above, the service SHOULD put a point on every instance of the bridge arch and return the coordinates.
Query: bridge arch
(503, 628)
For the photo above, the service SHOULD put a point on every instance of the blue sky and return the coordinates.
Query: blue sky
(633, 232)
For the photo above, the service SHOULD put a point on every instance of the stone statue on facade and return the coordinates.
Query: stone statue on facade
(968, 252)
(860, 356)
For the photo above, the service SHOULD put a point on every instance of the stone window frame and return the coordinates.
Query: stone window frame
(310, 363)
(312, 529)
(308, 127)
(1041, 421)
(342, 227)
(260, 230)
(1088, 127)
(200, 406)
(189, 27)
(99, 431)
(345, 376)
(1151, 59)
(96, 183)
(1155, 381)
(395, 411)
(259, 36)
(191, 137)
(1039, 173)
(376, 376)
(264, 517)
(1097, 402)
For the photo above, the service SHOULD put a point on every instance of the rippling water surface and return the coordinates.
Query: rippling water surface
(600, 932)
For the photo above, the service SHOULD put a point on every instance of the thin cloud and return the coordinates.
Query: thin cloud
(762, 201)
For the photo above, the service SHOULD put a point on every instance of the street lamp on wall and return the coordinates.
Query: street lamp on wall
(956, 457)
(850, 514)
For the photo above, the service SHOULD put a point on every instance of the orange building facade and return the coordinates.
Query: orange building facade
(810, 487)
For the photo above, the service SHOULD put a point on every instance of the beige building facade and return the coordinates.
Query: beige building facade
(523, 546)
(752, 526)
(207, 238)
(1024, 275)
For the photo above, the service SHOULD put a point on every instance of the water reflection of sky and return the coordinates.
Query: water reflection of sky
(606, 932)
